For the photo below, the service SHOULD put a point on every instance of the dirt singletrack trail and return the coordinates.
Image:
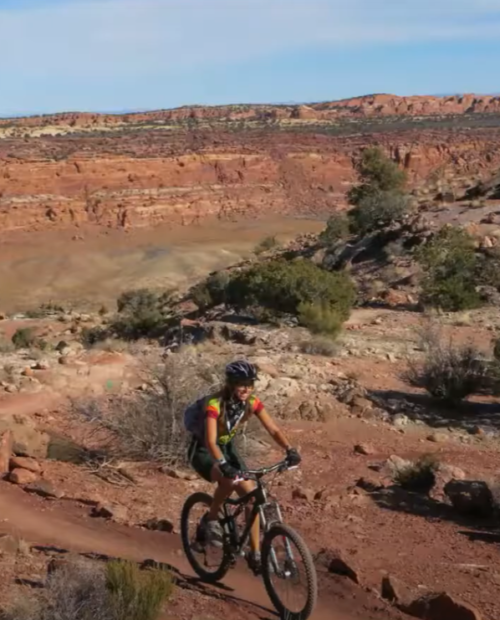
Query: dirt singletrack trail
(62, 527)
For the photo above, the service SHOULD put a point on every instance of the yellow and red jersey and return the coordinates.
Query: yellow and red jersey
(226, 429)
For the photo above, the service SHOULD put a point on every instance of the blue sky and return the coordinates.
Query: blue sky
(113, 55)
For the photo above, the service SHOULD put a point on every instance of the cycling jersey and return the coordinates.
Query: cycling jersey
(230, 414)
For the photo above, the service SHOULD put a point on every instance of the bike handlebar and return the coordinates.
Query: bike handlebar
(257, 474)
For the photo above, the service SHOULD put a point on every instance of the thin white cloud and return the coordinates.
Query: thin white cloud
(120, 38)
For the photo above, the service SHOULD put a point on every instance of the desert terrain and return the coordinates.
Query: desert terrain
(94, 206)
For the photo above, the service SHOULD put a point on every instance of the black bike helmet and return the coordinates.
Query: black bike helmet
(241, 371)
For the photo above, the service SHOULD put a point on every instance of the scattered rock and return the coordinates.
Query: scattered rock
(160, 525)
(443, 475)
(438, 437)
(27, 440)
(365, 449)
(44, 488)
(368, 485)
(22, 476)
(303, 493)
(42, 365)
(395, 591)
(470, 497)
(334, 562)
(6, 443)
(114, 512)
(441, 607)
(28, 372)
(400, 420)
(24, 462)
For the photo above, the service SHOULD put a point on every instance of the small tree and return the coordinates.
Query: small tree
(212, 291)
(337, 229)
(450, 266)
(377, 174)
(142, 313)
(377, 210)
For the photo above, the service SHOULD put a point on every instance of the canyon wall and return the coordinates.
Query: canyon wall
(142, 175)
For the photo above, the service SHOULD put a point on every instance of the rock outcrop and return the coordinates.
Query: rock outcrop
(70, 170)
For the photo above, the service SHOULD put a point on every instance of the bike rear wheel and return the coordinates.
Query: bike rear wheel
(287, 569)
(206, 563)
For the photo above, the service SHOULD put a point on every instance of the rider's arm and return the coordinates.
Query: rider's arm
(273, 429)
(211, 437)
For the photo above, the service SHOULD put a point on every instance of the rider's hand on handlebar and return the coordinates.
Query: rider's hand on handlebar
(228, 471)
(293, 458)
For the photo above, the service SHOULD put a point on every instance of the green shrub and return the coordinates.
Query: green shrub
(418, 476)
(90, 336)
(377, 210)
(268, 243)
(44, 310)
(449, 373)
(212, 291)
(282, 286)
(337, 229)
(136, 594)
(320, 319)
(142, 313)
(83, 590)
(24, 338)
(377, 173)
(450, 266)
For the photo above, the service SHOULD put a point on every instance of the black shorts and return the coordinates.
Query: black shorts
(202, 461)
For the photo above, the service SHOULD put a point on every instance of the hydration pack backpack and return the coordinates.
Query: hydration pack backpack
(194, 418)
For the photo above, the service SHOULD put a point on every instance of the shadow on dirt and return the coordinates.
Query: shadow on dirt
(424, 408)
(399, 500)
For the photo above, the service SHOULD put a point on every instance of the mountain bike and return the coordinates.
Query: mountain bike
(283, 566)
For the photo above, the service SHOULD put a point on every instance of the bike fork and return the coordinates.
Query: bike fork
(288, 547)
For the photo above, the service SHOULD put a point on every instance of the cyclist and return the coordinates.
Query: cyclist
(214, 423)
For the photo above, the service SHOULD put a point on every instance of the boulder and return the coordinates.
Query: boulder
(441, 607)
(113, 512)
(396, 591)
(334, 562)
(27, 439)
(364, 449)
(24, 462)
(470, 497)
(22, 476)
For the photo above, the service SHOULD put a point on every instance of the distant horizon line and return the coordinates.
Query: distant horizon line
(223, 105)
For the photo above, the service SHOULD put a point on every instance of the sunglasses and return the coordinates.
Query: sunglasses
(245, 384)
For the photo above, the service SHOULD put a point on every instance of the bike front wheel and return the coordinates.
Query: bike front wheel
(283, 553)
(210, 563)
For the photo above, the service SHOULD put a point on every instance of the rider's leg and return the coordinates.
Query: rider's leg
(225, 488)
(242, 489)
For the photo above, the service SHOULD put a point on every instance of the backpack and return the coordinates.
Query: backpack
(194, 418)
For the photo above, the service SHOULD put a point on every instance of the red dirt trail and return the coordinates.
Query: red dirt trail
(43, 523)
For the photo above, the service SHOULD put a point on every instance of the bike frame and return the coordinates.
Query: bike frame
(260, 501)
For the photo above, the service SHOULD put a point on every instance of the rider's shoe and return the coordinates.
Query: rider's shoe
(254, 562)
(213, 533)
